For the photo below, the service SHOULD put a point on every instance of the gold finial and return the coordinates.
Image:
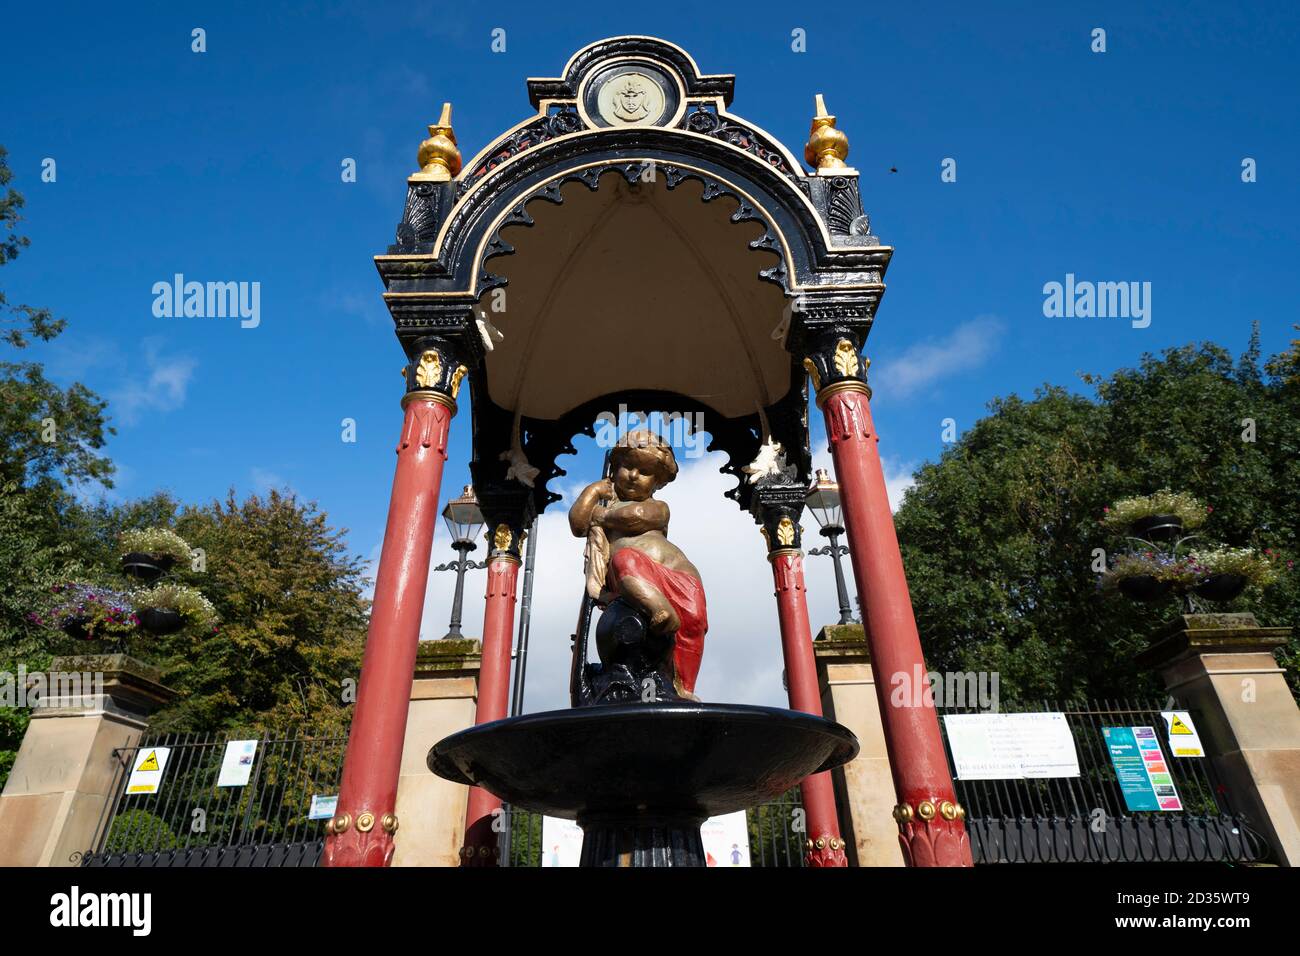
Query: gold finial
(827, 146)
(438, 157)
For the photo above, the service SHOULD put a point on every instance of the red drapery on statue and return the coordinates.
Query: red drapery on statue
(685, 593)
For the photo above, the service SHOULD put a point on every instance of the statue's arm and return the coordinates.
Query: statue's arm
(580, 513)
(637, 518)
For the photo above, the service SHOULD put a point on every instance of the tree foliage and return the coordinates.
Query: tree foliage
(998, 536)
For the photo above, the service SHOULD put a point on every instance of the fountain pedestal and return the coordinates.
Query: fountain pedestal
(641, 778)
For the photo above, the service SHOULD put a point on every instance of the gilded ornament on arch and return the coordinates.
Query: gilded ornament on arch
(439, 156)
(846, 358)
(456, 377)
(502, 537)
(925, 810)
(810, 367)
(365, 821)
(389, 822)
(827, 147)
(948, 810)
(767, 538)
(429, 371)
(785, 532)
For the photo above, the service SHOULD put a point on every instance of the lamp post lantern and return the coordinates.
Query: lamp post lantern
(823, 501)
(464, 521)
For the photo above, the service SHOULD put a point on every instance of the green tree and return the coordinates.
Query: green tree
(46, 432)
(998, 536)
(50, 437)
(293, 618)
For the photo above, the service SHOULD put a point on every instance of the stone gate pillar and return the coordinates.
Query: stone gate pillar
(65, 773)
(1222, 666)
(864, 786)
(432, 810)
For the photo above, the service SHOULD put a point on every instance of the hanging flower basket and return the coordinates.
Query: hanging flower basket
(1222, 587)
(166, 608)
(88, 612)
(150, 553)
(1162, 516)
(146, 567)
(159, 621)
(1144, 587)
(1162, 528)
(78, 628)
(1227, 571)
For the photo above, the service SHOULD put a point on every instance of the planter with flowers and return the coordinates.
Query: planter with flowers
(149, 553)
(1227, 572)
(1161, 563)
(1160, 517)
(89, 612)
(1149, 575)
(166, 608)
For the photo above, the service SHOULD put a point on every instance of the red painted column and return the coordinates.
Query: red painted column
(930, 820)
(361, 831)
(824, 846)
(480, 847)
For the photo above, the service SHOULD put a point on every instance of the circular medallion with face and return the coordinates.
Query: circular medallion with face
(630, 94)
(630, 99)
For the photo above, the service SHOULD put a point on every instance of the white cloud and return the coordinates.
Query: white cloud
(967, 347)
(162, 389)
(265, 481)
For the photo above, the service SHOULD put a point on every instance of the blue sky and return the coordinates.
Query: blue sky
(225, 165)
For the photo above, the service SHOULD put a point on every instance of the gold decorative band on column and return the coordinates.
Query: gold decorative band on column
(427, 395)
(780, 552)
(509, 558)
(926, 811)
(849, 385)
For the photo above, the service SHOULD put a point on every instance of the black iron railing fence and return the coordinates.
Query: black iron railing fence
(1085, 818)
(191, 821)
(189, 816)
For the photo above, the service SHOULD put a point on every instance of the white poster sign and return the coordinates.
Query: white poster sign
(1011, 746)
(146, 774)
(726, 840)
(1184, 741)
(561, 842)
(322, 808)
(237, 764)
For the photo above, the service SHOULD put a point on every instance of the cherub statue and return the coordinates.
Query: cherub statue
(629, 555)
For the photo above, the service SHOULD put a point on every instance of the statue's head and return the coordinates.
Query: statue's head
(640, 464)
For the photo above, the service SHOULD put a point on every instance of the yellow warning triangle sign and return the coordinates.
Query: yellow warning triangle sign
(1178, 727)
(151, 761)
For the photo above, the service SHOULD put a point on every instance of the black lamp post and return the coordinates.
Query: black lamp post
(464, 521)
(823, 501)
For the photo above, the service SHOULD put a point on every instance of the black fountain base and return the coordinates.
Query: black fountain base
(641, 778)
